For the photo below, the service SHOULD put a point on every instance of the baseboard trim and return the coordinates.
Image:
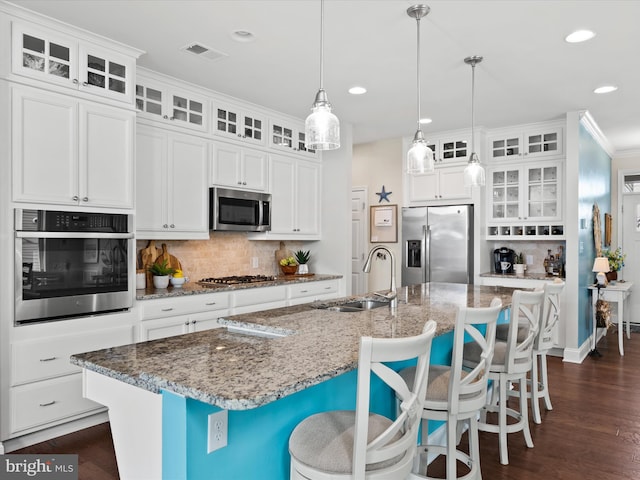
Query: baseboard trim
(53, 432)
(577, 355)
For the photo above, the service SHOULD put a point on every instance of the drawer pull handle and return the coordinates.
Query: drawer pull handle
(167, 309)
(48, 359)
(304, 291)
(48, 404)
(210, 303)
(327, 288)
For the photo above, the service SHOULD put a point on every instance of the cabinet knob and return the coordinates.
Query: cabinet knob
(239, 183)
(187, 322)
(172, 226)
(244, 183)
(85, 199)
(75, 198)
(193, 322)
(85, 84)
(165, 226)
(166, 117)
(75, 81)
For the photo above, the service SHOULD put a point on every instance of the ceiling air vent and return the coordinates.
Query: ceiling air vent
(203, 51)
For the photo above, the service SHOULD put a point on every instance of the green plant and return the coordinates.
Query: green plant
(161, 269)
(302, 257)
(519, 258)
(615, 257)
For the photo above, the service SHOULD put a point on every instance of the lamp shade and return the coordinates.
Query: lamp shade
(601, 264)
(322, 129)
(474, 173)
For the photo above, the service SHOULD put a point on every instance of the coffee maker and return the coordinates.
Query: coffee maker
(503, 254)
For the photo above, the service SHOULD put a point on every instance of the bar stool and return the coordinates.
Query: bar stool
(347, 444)
(455, 395)
(512, 360)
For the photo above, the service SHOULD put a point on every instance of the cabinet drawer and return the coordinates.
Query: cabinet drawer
(256, 296)
(47, 401)
(46, 358)
(172, 307)
(312, 289)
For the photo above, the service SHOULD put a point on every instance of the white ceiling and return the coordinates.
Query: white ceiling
(529, 72)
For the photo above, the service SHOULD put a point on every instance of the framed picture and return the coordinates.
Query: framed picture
(91, 250)
(383, 224)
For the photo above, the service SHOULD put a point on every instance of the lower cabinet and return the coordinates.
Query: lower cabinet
(46, 389)
(311, 291)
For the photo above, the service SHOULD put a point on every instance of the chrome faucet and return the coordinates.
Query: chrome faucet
(392, 295)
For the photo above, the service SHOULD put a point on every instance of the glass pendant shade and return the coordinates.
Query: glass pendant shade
(474, 172)
(322, 128)
(419, 156)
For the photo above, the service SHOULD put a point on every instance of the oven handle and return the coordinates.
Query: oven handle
(83, 235)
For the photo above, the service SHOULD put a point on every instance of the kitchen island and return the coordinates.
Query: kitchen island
(268, 370)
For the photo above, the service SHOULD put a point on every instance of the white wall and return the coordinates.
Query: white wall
(376, 164)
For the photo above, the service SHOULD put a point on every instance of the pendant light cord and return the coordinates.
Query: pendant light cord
(473, 83)
(418, 69)
(321, 44)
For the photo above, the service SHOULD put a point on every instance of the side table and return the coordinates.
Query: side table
(615, 293)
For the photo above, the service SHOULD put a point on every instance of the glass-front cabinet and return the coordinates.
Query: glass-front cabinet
(530, 143)
(234, 122)
(64, 61)
(289, 136)
(451, 149)
(525, 200)
(162, 103)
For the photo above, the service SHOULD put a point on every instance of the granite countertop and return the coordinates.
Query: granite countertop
(240, 371)
(193, 288)
(526, 276)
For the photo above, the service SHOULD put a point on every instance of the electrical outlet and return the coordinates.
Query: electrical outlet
(218, 427)
(529, 259)
(254, 262)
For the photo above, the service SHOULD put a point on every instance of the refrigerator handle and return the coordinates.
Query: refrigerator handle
(426, 245)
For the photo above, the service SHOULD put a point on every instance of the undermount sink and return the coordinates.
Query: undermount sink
(358, 306)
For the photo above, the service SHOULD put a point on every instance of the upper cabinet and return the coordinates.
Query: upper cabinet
(68, 151)
(238, 167)
(238, 123)
(450, 149)
(171, 105)
(65, 61)
(289, 136)
(531, 143)
(442, 184)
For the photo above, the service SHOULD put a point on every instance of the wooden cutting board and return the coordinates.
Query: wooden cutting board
(281, 253)
(148, 256)
(171, 260)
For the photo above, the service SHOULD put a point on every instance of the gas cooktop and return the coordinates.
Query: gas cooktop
(235, 280)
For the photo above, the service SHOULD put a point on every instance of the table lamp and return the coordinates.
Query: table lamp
(601, 266)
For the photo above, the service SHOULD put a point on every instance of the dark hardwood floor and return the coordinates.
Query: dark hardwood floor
(593, 431)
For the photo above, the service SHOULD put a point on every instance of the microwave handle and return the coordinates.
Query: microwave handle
(82, 235)
(260, 212)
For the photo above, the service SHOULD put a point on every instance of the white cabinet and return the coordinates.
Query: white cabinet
(170, 105)
(444, 183)
(62, 60)
(450, 149)
(71, 152)
(172, 192)
(238, 167)
(306, 292)
(289, 136)
(175, 316)
(295, 197)
(256, 299)
(533, 142)
(525, 201)
(238, 123)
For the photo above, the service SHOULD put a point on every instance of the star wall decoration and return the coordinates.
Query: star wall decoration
(384, 195)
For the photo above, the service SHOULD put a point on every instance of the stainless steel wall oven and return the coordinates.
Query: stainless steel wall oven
(70, 264)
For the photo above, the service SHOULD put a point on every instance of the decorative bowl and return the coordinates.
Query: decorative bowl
(289, 269)
(178, 282)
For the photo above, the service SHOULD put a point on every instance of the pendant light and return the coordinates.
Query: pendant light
(419, 156)
(474, 172)
(322, 128)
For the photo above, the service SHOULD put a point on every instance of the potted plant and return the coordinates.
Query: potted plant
(616, 262)
(518, 263)
(288, 265)
(161, 272)
(302, 258)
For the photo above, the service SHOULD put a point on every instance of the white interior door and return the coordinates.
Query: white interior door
(358, 238)
(631, 246)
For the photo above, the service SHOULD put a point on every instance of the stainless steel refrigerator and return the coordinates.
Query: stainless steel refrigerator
(437, 244)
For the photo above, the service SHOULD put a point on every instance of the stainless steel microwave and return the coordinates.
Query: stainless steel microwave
(239, 210)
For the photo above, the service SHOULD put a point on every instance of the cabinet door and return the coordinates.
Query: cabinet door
(188, 110)
(187, 184)
(281, 180)
(544, 197)
(544, 142)
(505, 194)
(451, 183)
(206, 320)
(44, 147)
(225, 165)
(164, 327)
(151, 163)
(231, 121)
(307, 188)
(150, 100)
(282, 136)
(106, 156)
(505, 147)
(454, 150)
(45, 56)
(423, 187)
(254, 169)
(105, 73)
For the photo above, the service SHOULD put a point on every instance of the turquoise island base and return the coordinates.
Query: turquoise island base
(268, 370)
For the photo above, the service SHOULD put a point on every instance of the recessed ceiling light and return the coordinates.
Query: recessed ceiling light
(424, 121)
(606, 89)
(579, 36)
(357, 90)
(243, 36)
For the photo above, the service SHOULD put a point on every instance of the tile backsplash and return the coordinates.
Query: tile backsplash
(537, 250)
(224, 254)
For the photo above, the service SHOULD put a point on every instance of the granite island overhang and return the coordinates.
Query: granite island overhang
(265, 383)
